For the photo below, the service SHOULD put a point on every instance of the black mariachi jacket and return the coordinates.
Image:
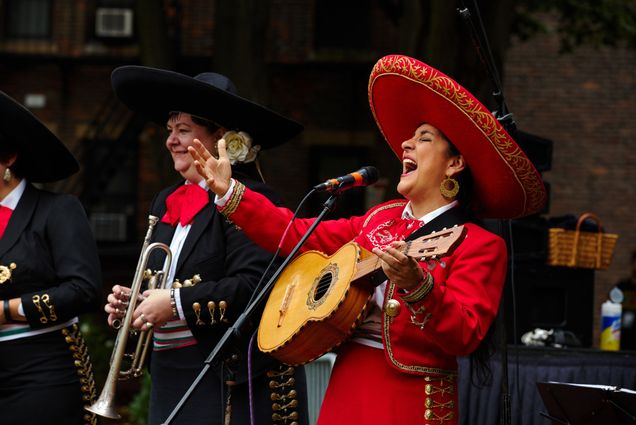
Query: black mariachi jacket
(229, 265)
(57, 272)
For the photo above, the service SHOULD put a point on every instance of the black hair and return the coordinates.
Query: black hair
(209, 125)
(203, 122)
(481, 374)
(465, 180)
(251, 169)
(8, 149)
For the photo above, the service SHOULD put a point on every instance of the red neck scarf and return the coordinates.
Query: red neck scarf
(185, 203)
(5, 215)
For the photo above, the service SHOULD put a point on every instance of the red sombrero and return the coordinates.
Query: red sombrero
(404, 93)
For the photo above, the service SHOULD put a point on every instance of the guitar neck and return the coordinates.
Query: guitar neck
(426, 247)
(373, 263)
(367, 266)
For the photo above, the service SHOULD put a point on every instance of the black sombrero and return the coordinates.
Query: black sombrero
(42, 156)
(156, 92)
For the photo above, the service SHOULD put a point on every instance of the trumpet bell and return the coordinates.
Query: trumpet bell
(103, 408)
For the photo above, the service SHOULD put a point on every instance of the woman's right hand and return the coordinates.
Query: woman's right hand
(216, 172)
(117, 302)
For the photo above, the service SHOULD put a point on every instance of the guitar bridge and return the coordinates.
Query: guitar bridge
(284, 306)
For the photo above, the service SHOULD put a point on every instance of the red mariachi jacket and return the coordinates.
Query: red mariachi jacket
(450, 321)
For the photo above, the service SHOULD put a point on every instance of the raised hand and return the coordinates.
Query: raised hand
(216, 172)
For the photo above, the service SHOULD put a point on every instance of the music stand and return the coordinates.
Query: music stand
(578, 404)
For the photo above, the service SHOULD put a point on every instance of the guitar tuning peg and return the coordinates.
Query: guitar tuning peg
(442, 264)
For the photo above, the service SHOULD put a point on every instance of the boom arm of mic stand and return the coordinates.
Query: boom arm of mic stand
(244, 319)
(480, 41)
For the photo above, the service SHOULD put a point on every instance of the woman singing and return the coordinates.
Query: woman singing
(458, 163)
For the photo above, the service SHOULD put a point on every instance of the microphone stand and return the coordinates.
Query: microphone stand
(505, 117)
(480, 41)
(243, 322)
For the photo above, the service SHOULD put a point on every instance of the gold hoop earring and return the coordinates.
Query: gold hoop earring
(7, 175)
(449, 187)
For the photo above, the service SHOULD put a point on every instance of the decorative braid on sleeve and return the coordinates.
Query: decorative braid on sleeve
(422, 290)
(232, 204)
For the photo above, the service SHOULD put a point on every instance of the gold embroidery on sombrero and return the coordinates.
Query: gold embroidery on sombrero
(535, 196)
(525, 172)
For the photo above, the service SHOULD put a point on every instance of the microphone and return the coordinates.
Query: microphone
(363, 177)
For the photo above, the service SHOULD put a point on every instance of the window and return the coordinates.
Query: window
(113, 22)
(28, 18)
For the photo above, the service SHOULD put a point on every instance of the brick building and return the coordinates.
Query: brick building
(56, 57)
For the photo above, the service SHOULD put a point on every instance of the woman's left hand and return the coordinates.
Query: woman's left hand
(401, 269)
(216, 172)
(154, 310)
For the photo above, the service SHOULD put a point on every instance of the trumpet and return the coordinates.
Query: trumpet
(104, 405)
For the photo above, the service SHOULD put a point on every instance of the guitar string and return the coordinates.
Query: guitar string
(364, 267)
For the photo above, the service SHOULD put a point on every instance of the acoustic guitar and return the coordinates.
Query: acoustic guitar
(318, 300)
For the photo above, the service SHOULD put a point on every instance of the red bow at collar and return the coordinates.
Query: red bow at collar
(5, 215)
(406, 226)
(185, 203)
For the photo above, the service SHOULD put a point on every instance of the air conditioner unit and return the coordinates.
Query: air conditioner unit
(113, 22)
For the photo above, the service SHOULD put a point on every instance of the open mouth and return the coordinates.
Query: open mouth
(408, 166)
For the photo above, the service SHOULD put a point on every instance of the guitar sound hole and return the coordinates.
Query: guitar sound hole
(323, 286)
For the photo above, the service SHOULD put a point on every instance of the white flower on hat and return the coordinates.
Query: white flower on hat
(239, 147)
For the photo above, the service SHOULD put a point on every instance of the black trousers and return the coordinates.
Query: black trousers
(39, 381)
(173, 371)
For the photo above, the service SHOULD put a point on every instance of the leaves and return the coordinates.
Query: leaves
(579, 22)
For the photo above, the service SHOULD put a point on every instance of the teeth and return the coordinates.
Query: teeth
(409, 165)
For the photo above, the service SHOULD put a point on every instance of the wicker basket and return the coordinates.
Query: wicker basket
(574, 248)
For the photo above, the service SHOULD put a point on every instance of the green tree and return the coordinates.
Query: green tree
(434, 30)
(589, 22)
